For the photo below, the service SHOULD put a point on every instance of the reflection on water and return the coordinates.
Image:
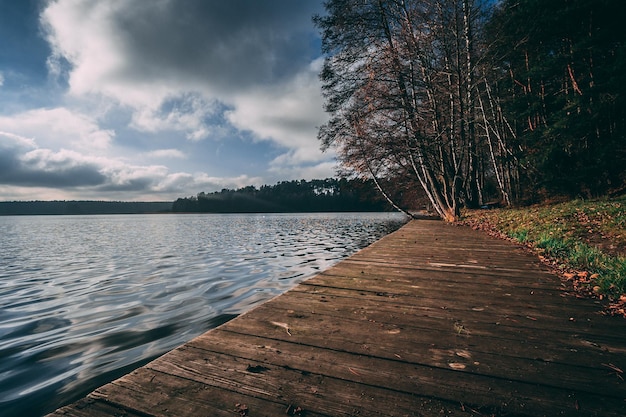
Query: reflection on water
(84, 299)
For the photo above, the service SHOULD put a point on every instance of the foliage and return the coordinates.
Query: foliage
(289, 196)
(399, 83)
(561, 68)
(471, 101)
(586, 236)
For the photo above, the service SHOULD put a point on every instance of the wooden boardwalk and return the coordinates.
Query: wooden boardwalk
(432, 320)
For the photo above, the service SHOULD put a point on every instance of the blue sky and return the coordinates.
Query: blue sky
(159, 99)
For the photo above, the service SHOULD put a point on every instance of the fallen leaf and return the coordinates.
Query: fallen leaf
(353, 371)
(464, 354)
(293, 410)
(283, 325)
(456, 365)
(242, 409)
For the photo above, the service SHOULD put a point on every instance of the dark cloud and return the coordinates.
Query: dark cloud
(9, 165)
(15, 171)
(234, 44)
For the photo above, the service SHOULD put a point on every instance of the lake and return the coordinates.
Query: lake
(86, 299)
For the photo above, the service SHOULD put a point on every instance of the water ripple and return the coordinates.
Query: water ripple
(84, 299)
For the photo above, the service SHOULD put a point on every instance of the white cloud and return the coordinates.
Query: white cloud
(186, 114)
(204, 182)
(166, 154)
(13, 140)
(82, 33)
(47, 160)
(209, 183)
(288, 114)
(59, 127)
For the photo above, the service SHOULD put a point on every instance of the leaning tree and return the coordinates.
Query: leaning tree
(401, 80)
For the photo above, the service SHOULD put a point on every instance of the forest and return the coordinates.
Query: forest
(328, 195)
(471, 102)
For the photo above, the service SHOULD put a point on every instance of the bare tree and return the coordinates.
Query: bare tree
(399, 83)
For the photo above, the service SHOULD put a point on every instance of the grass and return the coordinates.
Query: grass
(585, 239)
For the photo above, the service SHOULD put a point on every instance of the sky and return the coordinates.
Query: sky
(137, 100)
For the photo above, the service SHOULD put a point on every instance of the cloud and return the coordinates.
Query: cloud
(59, 127)
(22, 165)
(133, 81)
(166, 154)
(288, 114)
(222, 46)
(13, 141)
(30, 172)
(324, 169)
(186, 113)
(176, 65)
(206, 183)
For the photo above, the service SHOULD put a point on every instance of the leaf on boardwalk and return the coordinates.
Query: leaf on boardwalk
(293, 410)
(460, 329)
(283, 325)
(464, 354)
(618, 372)
(242, 409)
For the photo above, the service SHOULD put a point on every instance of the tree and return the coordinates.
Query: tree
(400, 87)
(563, 78)
(288, 196)
(473, 100)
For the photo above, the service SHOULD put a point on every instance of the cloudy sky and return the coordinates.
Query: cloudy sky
(157, 99)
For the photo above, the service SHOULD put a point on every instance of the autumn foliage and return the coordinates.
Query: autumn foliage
(473, 101)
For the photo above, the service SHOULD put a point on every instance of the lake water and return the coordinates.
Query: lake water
(85, 299)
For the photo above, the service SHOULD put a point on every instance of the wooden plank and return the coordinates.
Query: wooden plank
(152, 393)
(603, 332)
(445, 385)
(534, 304)
(561, 333)
(88, 407)
(286, 385)
(510, 277)
(515, 360)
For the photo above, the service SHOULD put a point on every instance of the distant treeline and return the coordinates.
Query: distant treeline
(328, 195)
(13, 208)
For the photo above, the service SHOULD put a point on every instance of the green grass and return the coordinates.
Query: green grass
(582, 236)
